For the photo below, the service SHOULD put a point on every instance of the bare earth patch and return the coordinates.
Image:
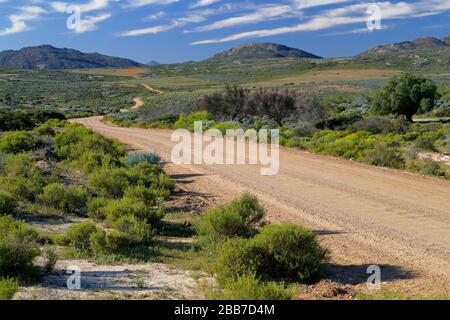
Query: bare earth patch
(137, 281)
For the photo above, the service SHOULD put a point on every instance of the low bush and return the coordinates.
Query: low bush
(109, 243)
(109, 183)
(115, 209)
(385, 156)
(139, 157)
(249, 287)
(7, 204)
(8, 287)
(149, 196)
(21, 188)
(240, 257)
(18, 248)
(378, 125)
(240, 218)
(188, 121)
(95, 208)
(16, 141)
(278, 252)
(69, 199)
(139, 231)
(78, 236)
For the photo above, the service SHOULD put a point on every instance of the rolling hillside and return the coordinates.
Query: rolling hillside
(48, 57)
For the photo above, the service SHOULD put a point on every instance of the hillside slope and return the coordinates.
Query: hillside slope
(48, 57)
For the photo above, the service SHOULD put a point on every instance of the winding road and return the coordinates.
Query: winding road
(364, 215)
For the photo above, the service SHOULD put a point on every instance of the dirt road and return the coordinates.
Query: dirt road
(364, 215)
(138, 103)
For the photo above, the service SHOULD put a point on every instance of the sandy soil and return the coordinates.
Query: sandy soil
(146, 86)
(364, 215)
(435, 157)
(138, 102)
(137, 281)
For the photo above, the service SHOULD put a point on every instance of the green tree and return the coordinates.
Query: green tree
(406, 95)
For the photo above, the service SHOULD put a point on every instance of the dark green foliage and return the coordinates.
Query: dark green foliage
(16, 141)
(385, 156)
(69, 199)
(7, 204)
(406, 95)
(8, 287)
(240, 218)
(22, 178)
(18, 248)
(249, 287)
(109, 243)
(95, 206)
(26, 120)
(85, 149)
(278, 252)
(110, 183)
(78, 236)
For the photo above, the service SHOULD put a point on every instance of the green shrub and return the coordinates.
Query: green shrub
(18, 248)
(23, 179)
(240, 257)
(78, 236)
(249, 287)
(240, 218)
(7, 204)
(16, 141)
(139, 157)
(115, 209)
(149, 196)
(297, 254)
(95, 208)
(188, 121)
(109, 243)
(22, 188)
(109, 183)
(278, 252)
(86, 149)
(69, 199)
(385, 156)
(139, 231)
(8, 287)
(50, 259)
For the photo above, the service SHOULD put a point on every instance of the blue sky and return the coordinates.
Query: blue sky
(171, 31)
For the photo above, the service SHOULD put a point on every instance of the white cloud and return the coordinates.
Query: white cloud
(89, 23)
(175, 23)
(89, 6)
(20, 19)
(142, 3)
(260, 15)
(347, 15)
(203, 3)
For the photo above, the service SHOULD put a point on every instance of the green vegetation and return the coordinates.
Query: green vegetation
(8, 288)
(239, 218)
(392, 295)
(279, 252)
(251, 257)
(18, 248)
(406, 96)
(249, 287)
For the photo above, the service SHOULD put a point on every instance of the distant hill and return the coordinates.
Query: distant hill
(418, 44)
(447, 40)
(153, 63)
(48, 57)
(266, 50)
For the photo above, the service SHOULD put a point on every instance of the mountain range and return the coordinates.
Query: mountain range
(49, 57)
